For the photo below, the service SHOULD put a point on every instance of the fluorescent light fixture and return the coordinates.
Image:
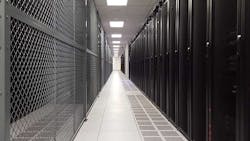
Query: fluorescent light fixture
(116, 24)
(116, 42)
(117, 2)
(116, 46)
(116, 35)
(116, 49)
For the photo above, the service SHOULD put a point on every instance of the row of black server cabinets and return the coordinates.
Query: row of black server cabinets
(191, 59)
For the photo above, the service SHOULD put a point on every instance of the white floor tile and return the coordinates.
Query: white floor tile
(111, 118)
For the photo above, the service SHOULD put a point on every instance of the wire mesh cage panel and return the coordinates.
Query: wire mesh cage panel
(41, 10)
(46, 78)
(49, 72)
(92, 79)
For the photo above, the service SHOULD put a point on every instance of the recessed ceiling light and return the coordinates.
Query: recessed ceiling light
(116, 46)
(116, 24)
(116, 35)
(116, 49)
(116, 42)
(117, 2)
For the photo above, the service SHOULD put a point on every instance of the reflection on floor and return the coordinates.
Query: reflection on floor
(123, 113)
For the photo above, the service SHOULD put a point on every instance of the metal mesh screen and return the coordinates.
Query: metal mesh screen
(94, 29)
(80, 17)
(44, 80)
(81, 89)
(64, 17)
(92, 79)
(41, 10)
(50, 70)
(32, 69)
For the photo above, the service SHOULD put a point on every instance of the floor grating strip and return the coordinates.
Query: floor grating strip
(152, 124)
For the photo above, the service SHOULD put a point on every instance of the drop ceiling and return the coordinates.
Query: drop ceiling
(134, 16)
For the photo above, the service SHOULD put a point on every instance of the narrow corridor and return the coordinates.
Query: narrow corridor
(124, 70)
(123, 113)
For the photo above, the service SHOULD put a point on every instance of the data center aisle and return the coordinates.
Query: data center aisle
(122, 113)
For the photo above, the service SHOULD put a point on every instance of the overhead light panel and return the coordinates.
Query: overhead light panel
(116, 35)
(117, 2)
(116, 42)
(116, 24)
(116, 46)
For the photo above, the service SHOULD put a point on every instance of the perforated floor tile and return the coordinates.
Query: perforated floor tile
(165, 127)
(151, 123)
(169, 133)
(174, 139)
(150, 133)
(144, 123)
(147, 127)
(152, 139)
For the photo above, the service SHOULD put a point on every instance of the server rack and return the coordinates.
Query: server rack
(224, 70)
(151, 47)
(245, 97)
(197, 95)
(162, 45)
(146, 62)
(156, 59)
(172, 56)
(182, 43)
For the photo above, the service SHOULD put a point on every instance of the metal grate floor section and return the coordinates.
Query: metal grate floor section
(152, 124)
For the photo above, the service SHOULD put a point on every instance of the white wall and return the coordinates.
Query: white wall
(116, 63)
(127, 60)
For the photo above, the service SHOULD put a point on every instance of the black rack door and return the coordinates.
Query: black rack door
(156, 58)
(171, 45)
(151, 50)
(196, 67)
(245, 136)
(182, 9)
(163, 44)
(167, 50)
(225, 66)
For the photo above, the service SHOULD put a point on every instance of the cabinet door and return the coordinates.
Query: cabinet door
(182, 16)
(196, 94)
(172, 64)
(244, 100)
(163, 58)
(225, 64)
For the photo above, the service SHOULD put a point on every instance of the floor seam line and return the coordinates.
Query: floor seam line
(99, 131)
